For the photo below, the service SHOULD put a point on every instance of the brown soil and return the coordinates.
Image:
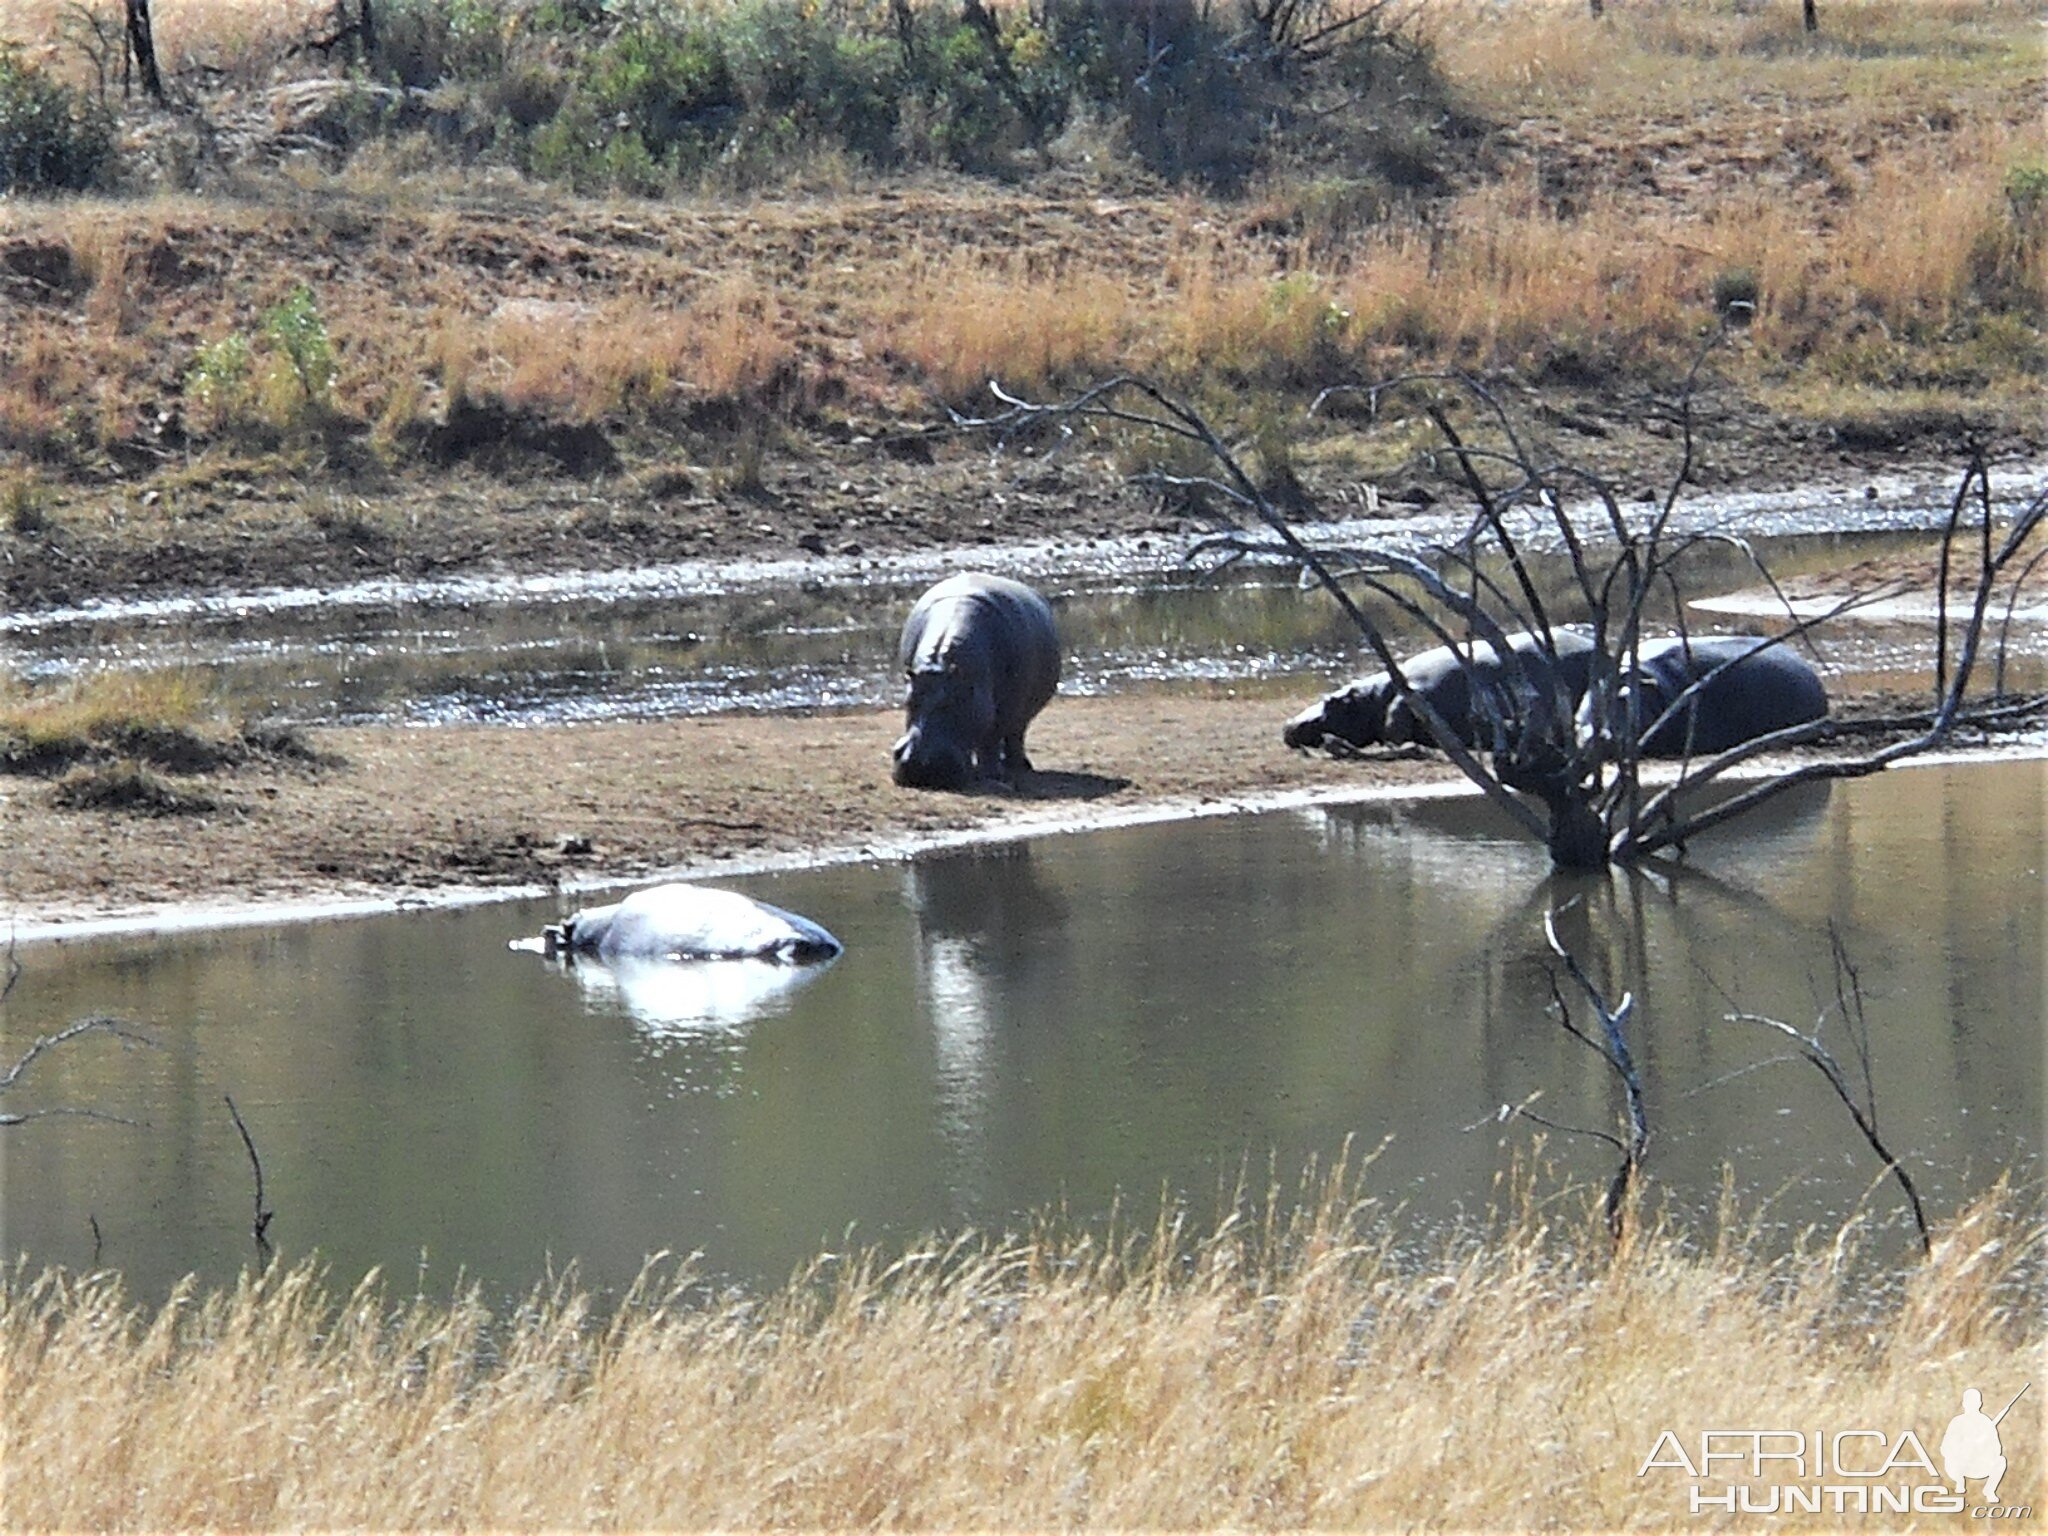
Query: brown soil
(392, 812)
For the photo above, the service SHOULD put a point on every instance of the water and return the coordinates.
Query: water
(543, 652)
(1078, 1021)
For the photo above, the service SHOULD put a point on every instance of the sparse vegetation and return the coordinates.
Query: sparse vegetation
(129, 786)
(1296, 1366)
(524, 237)
(52, 137)
(123, 724)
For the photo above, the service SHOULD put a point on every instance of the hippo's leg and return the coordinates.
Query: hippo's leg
(1012, 757)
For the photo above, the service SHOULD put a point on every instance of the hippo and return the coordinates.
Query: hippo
(982, 659)
(689, 922)
(1771, 690)
(1372, 709)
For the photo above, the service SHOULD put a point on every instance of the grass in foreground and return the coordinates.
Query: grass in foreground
(1276, 1372)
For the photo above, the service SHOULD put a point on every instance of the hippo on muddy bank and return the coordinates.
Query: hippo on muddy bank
(981, 658)
(1747, 693)
(1372, 710)
(687, 922)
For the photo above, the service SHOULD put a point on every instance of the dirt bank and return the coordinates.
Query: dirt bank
(389, 812)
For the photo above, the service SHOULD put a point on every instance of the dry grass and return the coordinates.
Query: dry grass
(958, 321)
(1862, 178)
(172, 717)
(1554, 51)
(1279, 1371)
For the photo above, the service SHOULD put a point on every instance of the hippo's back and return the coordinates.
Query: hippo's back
(1761, 692)
(978, 620)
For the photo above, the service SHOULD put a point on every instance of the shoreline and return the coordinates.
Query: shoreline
(1440, 781)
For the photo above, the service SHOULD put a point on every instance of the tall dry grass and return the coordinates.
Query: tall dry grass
(1557, 51)
(107, 704)
(1286, 1369)
(959, 320)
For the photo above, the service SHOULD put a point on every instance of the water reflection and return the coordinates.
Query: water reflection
(670, 999)
(989, 940)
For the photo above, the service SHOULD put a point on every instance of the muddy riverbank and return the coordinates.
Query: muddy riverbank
(377, 815)
(382, 813)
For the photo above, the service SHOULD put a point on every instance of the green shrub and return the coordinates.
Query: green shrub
(1735, 295)
(52, 138)
(642, 95)
(217, 383)
(226, 391)
(425, 42)
(297, 330)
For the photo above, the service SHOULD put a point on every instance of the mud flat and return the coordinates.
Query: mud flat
(388, 814)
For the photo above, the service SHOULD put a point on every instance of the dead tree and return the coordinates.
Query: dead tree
(359, 29)
(142, 52)
(1862, 1108)
(1612, 1047)
(1569, 772)
(98, 37)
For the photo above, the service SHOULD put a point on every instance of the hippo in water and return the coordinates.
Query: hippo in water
(982, 659)
(1372, 710)
(1750, 695)
(688, 922)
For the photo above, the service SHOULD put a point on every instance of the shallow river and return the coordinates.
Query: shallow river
(1077, 1020)
(702, 639)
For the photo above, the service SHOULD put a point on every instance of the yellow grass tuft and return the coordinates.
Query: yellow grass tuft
(174, 717)
(1293, 1366)
(959, 321)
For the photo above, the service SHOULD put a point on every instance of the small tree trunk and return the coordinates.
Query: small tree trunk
(142, 48)
(366, 26)
(1807, 9)
(1578, 835)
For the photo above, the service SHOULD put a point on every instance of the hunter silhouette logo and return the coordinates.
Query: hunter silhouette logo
(1861, 1470)
(1970, 1447)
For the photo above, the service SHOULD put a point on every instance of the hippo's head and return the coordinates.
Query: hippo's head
(1356, 715)
(948, 714)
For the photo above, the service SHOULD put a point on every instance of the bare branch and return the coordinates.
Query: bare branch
(1849, 998)
(1613, 1049)
(44, 1043)
(260, 1225)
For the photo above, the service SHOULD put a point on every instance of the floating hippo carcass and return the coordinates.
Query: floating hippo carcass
(981, 658)
(1747, 692)
(689, 922)
(1372, 710)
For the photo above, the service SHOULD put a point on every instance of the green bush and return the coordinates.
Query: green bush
(228, 393)
(425, 42)
(297, 330)
(52, 138)
(217, 383)
(644, 95)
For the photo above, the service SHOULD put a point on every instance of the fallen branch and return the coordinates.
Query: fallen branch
(44, 1043)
